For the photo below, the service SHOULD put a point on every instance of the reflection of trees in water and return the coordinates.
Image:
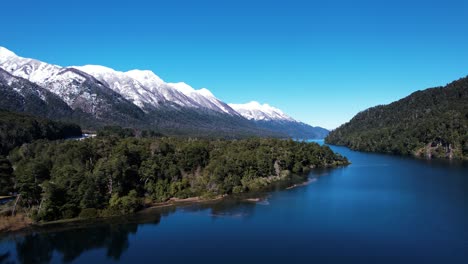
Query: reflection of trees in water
(319, 172)
(235, 206)
(73, 239)
(71, 243)
(5, 258)
(38, 248)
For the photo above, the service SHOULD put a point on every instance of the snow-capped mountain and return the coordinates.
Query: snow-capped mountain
(146, 89)
(33, 70)
(143, 88)
(272, 118)
(157, 86)
(260, 112)
(123, 84)
(95, 96)
(77, 89)
(58, 80)
(98, 95)
(21, 95)
(203, 98)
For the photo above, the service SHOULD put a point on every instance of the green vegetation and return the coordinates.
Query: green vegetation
(6, 180)
(122, 170)
(112, 175)
(117, 131)
(429, 123)
(17, 129)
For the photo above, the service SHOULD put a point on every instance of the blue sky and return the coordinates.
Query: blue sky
(319, 61)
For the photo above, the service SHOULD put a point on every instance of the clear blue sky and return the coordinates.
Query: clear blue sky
(319, 61)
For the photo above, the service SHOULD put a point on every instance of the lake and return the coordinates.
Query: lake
(379, 209)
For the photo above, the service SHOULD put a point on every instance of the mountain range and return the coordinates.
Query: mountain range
(271, 118)
(94, 95)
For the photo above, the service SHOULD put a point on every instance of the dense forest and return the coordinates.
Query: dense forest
(16, 129)
(429, 123)
(111, 175)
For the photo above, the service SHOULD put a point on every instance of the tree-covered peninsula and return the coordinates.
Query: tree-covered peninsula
(113, 175)
(428, 123)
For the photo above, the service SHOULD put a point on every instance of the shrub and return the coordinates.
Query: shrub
(126, 204)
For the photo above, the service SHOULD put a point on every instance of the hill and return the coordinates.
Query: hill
(428, 123)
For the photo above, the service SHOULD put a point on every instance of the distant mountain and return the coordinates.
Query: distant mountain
(271, 118)
(428, 123)
(258, 112)
(94, 95)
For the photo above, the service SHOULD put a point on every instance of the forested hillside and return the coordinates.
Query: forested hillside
(428, 123)
(112, 175)
(294, 129)
(17, 129)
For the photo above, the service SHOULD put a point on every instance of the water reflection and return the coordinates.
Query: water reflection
(38, 248)
(5, 258)
(232, 207)
(73, 239)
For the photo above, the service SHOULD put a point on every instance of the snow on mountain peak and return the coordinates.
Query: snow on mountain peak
(96, 69)
(31, 69)
(5, 54)
(124, 84)
(146, 88)
(256, 111)
(205, 92)
(145, 76)
(203, 97)
(190, 91)
(142, 87)
(182, 87)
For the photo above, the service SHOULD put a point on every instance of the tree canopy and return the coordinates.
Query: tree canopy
(430, 123)
(17, 129)
(110, 175)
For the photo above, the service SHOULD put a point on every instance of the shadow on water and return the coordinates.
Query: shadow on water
(70, 240)
(38, 248)
(73, 239)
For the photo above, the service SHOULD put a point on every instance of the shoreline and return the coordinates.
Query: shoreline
(20, 223)
(417, 154)
(185, 201)
(309, 181)
(27, 225)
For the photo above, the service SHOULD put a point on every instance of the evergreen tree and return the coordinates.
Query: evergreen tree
(6, 180)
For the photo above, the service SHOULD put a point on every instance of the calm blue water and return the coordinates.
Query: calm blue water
(380, 209)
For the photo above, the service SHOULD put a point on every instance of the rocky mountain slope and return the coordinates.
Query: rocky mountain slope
(94, 95)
